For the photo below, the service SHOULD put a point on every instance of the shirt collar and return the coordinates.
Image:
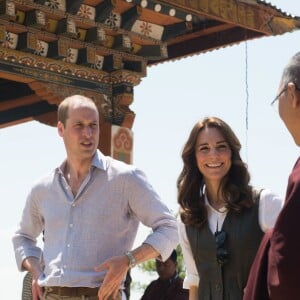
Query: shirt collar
(99, 161)
(220, 211)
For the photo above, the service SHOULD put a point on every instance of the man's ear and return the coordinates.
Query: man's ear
(60, 128)
(294, 95)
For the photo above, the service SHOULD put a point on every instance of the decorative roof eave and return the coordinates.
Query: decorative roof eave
(42, 68)
(253, 15)
(252, 19)
(280, 25)
(212, 42)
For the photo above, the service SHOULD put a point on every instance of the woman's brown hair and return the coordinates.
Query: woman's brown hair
(234, 188)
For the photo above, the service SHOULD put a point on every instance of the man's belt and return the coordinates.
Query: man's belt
(72, 291)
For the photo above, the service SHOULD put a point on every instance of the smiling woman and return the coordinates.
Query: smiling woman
(223, 216)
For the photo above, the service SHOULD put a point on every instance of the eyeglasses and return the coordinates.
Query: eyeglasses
(277, 97)
(283, 91)
(221, 253)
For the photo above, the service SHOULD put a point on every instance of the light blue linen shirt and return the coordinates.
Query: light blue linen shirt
(100, 222)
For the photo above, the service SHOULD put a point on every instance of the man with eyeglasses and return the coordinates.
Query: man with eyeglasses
(275, 273)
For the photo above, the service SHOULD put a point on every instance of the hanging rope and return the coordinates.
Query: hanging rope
(247, 96)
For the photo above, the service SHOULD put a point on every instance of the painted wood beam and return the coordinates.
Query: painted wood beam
(176, 29)
(14, 103)
(129, 17)
(104, 9)
(25, 112)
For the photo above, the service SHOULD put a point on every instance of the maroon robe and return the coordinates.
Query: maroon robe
(275, 273)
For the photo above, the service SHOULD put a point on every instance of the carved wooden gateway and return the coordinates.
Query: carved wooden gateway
(50, 49)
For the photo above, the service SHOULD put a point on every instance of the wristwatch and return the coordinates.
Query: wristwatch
(132, 260)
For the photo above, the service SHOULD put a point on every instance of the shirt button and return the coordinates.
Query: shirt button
(218, 287)
(71, 225)
(73, 204)
(68, 245)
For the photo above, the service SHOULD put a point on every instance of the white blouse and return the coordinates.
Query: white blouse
(269, 208)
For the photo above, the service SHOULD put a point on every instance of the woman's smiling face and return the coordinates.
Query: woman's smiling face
(213, 155)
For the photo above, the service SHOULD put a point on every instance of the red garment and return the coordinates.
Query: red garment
(278, 259)
(170, 289)
(257, 288)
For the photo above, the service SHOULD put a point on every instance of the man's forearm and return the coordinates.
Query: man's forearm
(33, 265)
(144, 253)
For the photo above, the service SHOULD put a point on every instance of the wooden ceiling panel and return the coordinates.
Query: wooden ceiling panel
(151, 16)
(22, 101)
(25, 112)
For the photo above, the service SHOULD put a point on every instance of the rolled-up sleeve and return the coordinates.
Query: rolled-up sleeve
(25, 238)
(152, 212)
(192, 277)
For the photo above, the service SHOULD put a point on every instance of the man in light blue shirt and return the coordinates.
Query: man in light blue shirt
(89, 209)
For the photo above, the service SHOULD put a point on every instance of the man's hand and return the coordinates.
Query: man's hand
(37, 291)
(33, 265)
(117, 268)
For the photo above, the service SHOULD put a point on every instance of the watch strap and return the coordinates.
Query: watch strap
(132, 260)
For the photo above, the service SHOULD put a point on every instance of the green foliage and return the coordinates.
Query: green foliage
(180, 262)
(137, 286)
(148, 266)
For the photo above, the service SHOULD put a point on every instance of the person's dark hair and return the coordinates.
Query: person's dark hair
(291, 72)
(173, 256)
(63, 108)
(234, 188)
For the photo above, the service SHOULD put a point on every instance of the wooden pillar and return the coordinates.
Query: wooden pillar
(116, 141)
(116, 137)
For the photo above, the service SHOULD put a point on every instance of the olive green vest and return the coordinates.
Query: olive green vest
(243, 238)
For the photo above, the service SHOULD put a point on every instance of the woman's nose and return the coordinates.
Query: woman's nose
(213, 151)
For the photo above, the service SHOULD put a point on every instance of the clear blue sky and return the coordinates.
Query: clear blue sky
(167, 103)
